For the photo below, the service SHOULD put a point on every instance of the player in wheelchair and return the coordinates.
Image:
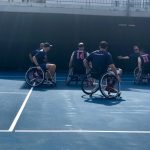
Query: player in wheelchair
(142, 72)
(43, 72)
(99, 77)
(76, 66)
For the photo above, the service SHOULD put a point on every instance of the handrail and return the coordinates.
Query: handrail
(138, 4)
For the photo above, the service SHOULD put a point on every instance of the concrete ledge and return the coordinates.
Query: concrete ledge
(63, 9)
(68, 8)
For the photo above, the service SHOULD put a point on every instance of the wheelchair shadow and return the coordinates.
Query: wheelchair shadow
(40, 88)
(60, 86)
(25, 86)
(99, 99)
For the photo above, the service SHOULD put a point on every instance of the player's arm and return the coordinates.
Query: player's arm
(30, 57)
(87, 54)
(123, 57)
(139, 64)
(35, 61)
(87, 62)
(71, 60)
(87, 65)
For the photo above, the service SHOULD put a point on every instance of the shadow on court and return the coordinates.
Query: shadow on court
(60, 86)
(99, 99)
(126, 84)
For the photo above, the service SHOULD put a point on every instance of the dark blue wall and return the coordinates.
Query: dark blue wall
(22, 32)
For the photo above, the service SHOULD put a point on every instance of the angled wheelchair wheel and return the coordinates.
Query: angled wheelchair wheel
(136, 72)
(109, 86)
(68, 80)
(137, 76)
(89, 85)
(34, 77)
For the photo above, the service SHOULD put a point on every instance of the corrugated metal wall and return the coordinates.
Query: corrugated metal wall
(21, 33)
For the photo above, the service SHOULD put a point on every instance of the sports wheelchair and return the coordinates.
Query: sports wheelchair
(75, 76)
(35, 77)
(92, 82)
(142, 76)
(135, 72)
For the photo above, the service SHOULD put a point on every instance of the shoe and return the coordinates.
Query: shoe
(47, 82)
(53, 81)
(111, 89)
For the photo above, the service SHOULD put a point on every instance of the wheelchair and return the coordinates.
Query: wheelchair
(136, 72)
(35, 77)
(92, 82)
(141, 77)
(75, 76)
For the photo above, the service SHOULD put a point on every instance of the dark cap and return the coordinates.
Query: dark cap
(81, 44)
(47, 45)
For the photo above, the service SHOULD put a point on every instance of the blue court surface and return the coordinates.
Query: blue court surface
(63, 118)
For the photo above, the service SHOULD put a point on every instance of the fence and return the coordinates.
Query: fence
(117, 4)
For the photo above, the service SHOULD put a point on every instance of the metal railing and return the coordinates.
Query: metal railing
(137, 4)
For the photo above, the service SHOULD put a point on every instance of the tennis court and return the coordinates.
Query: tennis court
(64, 118)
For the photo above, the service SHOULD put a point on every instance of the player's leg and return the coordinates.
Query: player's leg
(112, 81)
(51, 69)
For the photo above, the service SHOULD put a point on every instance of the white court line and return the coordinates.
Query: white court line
(4, 131)
(20, 111)
(24, 76)
(80, 131)
(12, 93)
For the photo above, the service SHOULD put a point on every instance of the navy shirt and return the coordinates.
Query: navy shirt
(34, 52)
(78, 57)
(100, 60)
(145, 58)
(134, 59)
(41, 57)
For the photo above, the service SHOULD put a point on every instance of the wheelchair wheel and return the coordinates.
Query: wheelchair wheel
(74, 79)
(68, 80)
(89, 85)
(136, 72)
(109, 86)
(34, 77)
(137, 76)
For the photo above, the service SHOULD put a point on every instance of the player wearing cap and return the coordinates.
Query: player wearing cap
(34, 52)
(40, 60)
(76, 60)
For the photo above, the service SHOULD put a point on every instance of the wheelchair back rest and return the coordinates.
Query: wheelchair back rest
(145, 61)
(145, 58)
(78, 58)
(79, 55)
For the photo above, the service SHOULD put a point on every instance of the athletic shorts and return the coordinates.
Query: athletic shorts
(43, 66)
